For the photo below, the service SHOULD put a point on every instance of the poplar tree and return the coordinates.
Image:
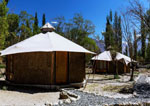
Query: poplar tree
(35, 25)
(115, 28)
(119, 35)
(108, 34)
(117, 32)
(113, 33)
(43, 20)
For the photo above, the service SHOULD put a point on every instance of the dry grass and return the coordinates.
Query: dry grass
(112, 88)
(118, 88)
(144, 70)
(91, 87)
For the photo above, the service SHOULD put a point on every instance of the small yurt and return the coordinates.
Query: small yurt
(45, 59)
(103, 63)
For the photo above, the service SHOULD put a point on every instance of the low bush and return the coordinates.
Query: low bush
(2, 66)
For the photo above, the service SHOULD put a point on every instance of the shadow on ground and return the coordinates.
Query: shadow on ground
(31, 90)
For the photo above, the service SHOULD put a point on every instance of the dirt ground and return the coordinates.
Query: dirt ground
(103, 85)
(106, 85)
(15, 98)
(26, 96)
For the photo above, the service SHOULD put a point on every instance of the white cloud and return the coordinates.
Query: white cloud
(54, 22)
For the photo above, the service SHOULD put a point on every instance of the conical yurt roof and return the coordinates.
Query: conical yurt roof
(45, 42)
(106, 56)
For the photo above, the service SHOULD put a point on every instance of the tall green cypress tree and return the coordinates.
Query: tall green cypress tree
(113, 34)
(35, 26)
(119, 35)
(108, 34)
(110, 16)
(43, 20)
(117, 32)
(115, 28)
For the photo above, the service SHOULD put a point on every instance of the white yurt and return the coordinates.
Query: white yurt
(104, 64)
(45, 59)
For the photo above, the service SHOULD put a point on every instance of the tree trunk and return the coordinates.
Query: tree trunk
(115, 69)
(132, 73)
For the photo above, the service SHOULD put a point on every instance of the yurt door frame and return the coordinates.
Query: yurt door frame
(61, 67)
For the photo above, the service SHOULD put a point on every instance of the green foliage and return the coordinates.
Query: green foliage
(43, 20)
(113, 38)
(6, 1)
(36, 28)
(3, 24)
(24, 16)
(89, 44)
(13, 21)
(115, 27)
(110, 16)
(108, 34)
(25, 32)
(113, 33)
(25, 25)
(2, 66)
(117, 32)
(3, 9)
(119, 35)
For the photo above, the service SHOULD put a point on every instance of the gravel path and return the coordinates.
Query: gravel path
(90, 99)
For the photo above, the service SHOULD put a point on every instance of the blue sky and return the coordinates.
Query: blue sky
(94, 10)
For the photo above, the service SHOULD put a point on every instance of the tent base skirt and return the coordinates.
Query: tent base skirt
(49, 87)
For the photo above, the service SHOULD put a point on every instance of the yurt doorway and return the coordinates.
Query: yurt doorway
(61, 67)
